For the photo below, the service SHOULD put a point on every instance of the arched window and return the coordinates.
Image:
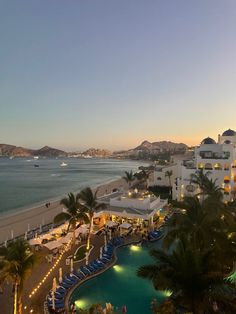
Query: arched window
(226, 179)
(218, 166)
(227, 190)
(226, 166)
(200, 166)
(208, 166)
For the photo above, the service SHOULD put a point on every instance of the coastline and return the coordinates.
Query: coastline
(30, 218)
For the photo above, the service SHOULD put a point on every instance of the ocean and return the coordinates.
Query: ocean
(22, 185)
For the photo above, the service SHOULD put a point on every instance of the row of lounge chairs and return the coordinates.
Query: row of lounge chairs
(83, 272)
(155, 235)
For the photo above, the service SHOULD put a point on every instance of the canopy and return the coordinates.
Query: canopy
(35, 241)
(53, 245)
(111, 223)
(125, 225)
(66, 238)
(60, 229)
(81, 229)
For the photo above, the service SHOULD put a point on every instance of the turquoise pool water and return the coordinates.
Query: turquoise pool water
(120, 285)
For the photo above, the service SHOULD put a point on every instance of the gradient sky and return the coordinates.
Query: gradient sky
(109, 74)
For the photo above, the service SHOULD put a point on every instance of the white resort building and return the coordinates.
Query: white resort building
(134, 207)
(217, 158)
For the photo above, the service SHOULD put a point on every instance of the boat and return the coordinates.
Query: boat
(36, 157)
(63, 164)
(11, 157)
(36, 166)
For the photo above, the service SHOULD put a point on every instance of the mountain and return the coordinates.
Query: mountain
(50, 152)
(161, 146)
(95, 152)
(155, 150)
(11, 150)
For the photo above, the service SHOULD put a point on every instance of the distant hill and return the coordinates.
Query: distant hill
(11, 150)
(50, 152)
(161, 146)
(95, 152)
(155, 150)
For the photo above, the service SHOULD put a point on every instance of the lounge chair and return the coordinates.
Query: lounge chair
(85, 271)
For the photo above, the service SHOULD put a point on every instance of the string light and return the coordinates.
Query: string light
(49, 272)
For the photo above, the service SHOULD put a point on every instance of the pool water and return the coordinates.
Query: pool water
(120, 285)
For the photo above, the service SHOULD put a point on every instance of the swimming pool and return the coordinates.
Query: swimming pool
(120, 285)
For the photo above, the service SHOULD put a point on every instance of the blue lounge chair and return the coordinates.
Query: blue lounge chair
(85, 271)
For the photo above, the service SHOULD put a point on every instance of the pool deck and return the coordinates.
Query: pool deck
(129, 240)
(36, 304)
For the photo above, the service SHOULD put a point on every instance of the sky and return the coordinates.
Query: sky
(112, 73)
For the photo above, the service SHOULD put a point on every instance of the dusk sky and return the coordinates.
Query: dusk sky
(110, 74)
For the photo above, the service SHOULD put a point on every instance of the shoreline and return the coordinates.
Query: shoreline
(20, 222)
(23, 209)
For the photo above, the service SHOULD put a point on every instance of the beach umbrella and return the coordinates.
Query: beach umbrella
(36, 234)
(110, 234)
(71, 265)
(60, 275)
(40, 228)
(105, 241)
(5, 243)
(101, 252)
(12, 234)
(28, 227)
(25, 235)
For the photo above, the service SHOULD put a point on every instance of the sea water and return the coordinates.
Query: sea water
(25, 182)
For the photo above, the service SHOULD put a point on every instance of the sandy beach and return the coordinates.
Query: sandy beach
(20, 222)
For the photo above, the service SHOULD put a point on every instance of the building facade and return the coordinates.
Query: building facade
(216, 158)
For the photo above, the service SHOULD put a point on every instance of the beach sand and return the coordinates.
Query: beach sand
(20, 222)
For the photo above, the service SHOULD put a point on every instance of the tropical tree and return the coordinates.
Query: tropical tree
(206, 224)
(200, 178)
(129, 178)
(211, 189)
(193, 277)
(89, 206)
(169, 174)
(73, 213)
(143, 177)
(17, 261)
(191, 221)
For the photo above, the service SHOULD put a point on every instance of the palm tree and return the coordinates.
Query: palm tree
(89, 205)
(16, 265)
(169, 174)
(129, 177)
(205, 223)
(192, 275)
(191, 221)
(211, 189)
(143, 177)
(200, 178)
(73, 214)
